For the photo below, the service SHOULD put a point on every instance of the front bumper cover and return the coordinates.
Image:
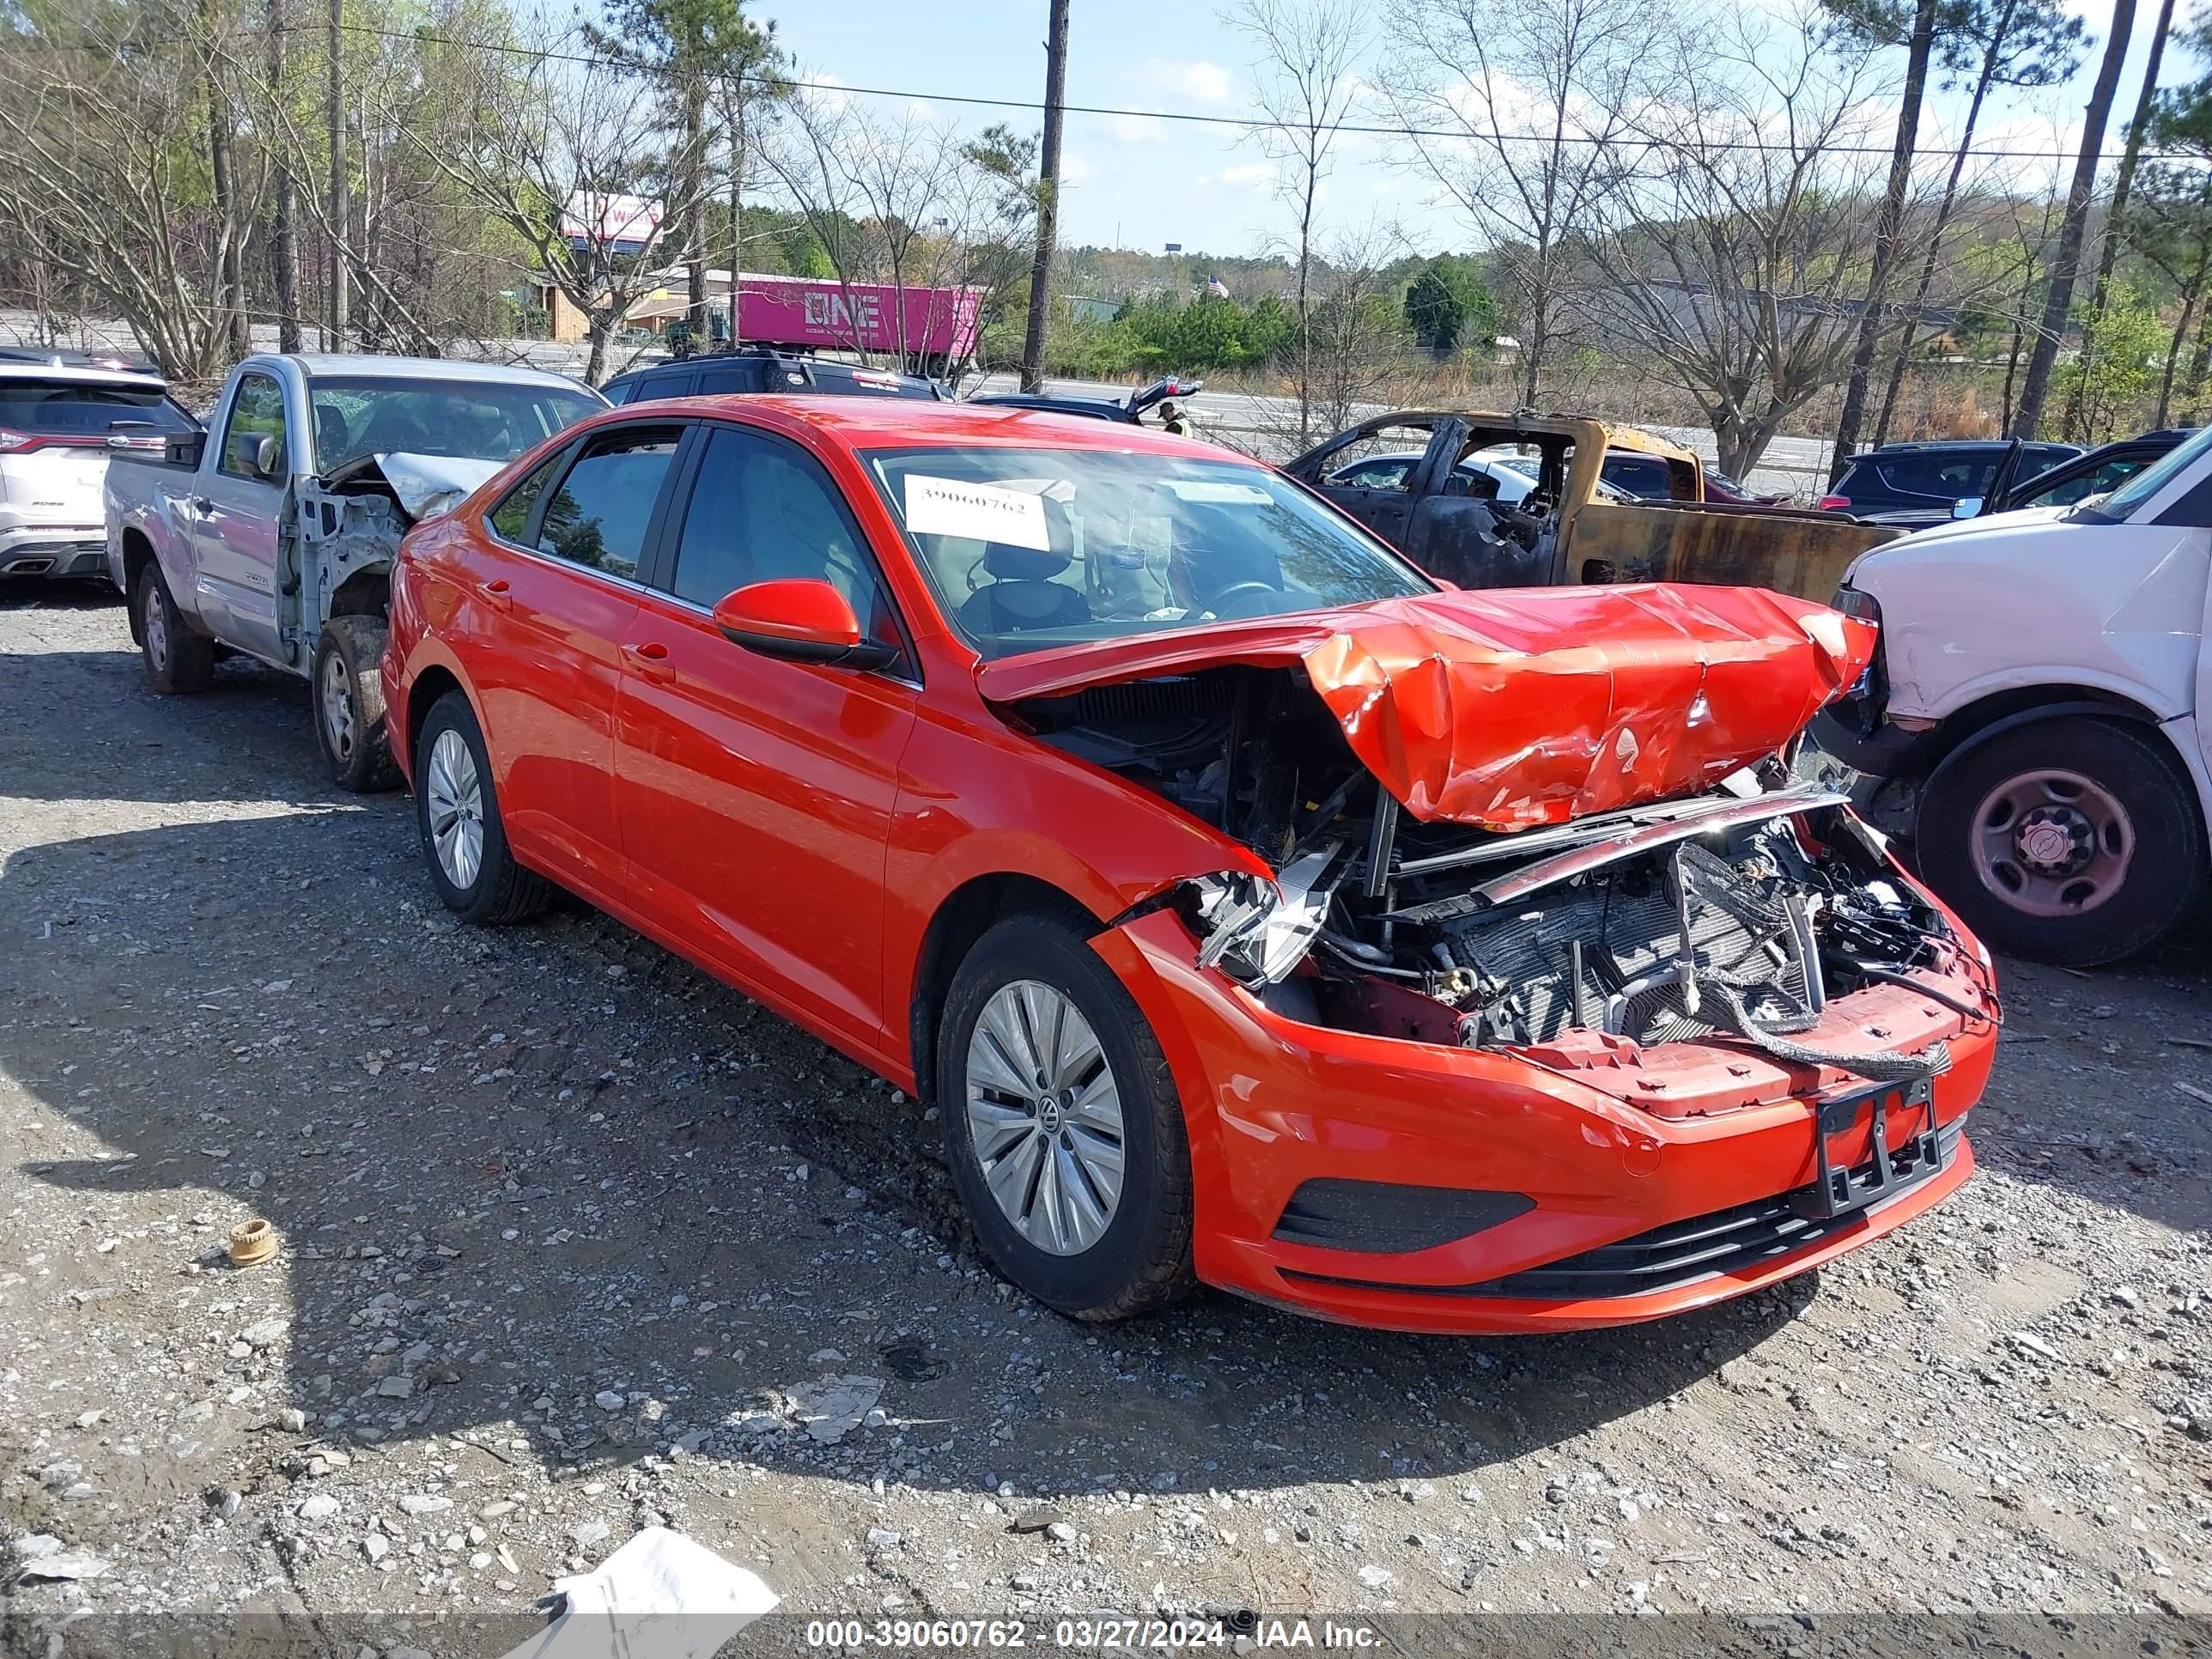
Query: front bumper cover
(1272, 1103)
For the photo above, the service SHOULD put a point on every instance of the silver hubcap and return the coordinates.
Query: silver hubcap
(155, 626)
(338, 706)
(453, 795)
(2053, 843)
(1045, 1116)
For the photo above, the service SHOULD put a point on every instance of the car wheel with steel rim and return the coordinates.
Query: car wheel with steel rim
(457, 812)
(177, 661)
(347, 684)
(2071, 840)
(1062, 1125)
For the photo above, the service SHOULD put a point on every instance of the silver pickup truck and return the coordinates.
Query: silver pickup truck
(271, 535)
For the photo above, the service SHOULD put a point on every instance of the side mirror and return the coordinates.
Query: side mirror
(800, 619)
(268, 458)
(1969, 508)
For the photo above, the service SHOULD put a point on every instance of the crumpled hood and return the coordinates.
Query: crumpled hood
(1513, 709)
(430, 485)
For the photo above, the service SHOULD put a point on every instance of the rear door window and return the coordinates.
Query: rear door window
(2096, 481)
(1647, 479)
(511, 518)
(679, 383)
(1953, 477)
(600, 514)
(743, 375)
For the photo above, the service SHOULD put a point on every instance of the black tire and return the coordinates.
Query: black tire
(2165, 872)
(1142, 1260)
(178, 662)
(499, 891)
(359, 751)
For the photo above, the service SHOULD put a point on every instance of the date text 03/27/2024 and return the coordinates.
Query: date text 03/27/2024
(1091, 1634)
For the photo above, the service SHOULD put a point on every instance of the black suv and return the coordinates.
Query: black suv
(1913, 485)
(755, 369)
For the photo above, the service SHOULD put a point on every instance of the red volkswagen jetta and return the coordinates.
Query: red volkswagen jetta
(1254, 912)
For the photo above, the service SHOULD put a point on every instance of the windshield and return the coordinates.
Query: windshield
(80, 408)
(471, 419)
(2122, 503)
(1030, 548)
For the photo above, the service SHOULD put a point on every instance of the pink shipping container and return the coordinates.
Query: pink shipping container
(799, 311)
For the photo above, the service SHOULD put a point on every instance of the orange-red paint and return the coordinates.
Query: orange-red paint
(797, 828)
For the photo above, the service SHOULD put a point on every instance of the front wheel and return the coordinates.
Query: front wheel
(2073, 840)
(1062, 1126)
(348, 682)
(456, 812)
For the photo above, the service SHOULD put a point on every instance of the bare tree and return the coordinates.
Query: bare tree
(2116, 217)
(2066, 262)
(1490, 72)
(1305, 83)
(561, 156)
(1731, 260)
(2003, 43)
(1882, 22)
(105, 154)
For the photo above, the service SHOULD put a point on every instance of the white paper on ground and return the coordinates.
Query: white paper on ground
(978, 512)
(661, 1595)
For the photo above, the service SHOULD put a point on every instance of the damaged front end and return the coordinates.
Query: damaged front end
(351, 522)
(1643, 897)
(1743, 916)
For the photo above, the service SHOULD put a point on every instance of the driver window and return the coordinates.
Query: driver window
(257, 411)
(1386, 459)
(2097, 481)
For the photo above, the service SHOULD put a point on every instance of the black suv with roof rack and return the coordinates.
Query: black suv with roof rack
(757, 369)
(1913, 485)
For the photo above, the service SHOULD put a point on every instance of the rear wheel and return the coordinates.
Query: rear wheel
(2073, 841)
(348, 684)
(456, 812)
(1062, 1125)
(178, 662)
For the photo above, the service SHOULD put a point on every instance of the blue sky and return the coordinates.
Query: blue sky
(1137, 183)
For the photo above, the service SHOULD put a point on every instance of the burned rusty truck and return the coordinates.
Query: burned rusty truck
(1517, 501)
(271, 535)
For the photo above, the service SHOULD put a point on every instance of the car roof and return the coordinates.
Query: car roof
(887, 422)
(365, 365)
(18, 370)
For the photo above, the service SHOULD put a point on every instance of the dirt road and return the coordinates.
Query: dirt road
(572, 1236)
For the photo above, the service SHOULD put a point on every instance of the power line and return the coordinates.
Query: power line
(1189, 117)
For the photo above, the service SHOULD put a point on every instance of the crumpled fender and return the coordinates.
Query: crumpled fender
(1508, 709)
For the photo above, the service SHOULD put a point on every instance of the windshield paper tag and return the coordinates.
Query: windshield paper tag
(1198, 490)
(979, 512)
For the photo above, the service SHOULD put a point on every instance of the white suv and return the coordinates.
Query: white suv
(58, 425)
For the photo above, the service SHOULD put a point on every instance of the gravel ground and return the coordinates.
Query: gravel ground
(576, 1241)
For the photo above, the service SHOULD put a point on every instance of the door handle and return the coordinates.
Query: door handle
(649, 661)
(498, 595)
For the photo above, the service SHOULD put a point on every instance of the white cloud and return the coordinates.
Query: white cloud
(1255, 176)
(1074, 169)
(1136, 129)
(1209, 83)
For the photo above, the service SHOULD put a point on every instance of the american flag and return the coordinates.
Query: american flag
(1214, 286)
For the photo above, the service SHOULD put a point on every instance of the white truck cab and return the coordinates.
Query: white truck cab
(2033, 711)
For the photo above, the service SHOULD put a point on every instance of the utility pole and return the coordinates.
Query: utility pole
(1056, 96)
(283, 251)
(339, 252)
